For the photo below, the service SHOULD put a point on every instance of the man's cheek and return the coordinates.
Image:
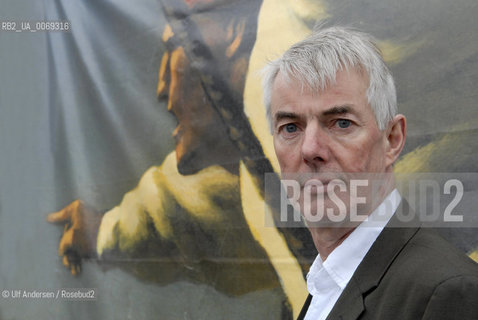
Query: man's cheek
(281, 153)
(354, 160)
(289, 162)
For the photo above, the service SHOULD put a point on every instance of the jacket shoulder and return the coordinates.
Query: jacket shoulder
(430, 253)
(428, 268)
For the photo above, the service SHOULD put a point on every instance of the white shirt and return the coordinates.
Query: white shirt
(327, 280)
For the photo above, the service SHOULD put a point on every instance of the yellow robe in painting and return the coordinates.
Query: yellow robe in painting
(186, 227)
(208, 228)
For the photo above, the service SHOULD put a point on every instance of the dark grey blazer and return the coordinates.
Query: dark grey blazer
(409, 273)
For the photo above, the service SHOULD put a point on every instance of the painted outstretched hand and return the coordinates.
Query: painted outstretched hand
(81, 224)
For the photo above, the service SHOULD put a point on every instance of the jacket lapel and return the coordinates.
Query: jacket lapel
(373, 267)
(350, 304)
(304, 309)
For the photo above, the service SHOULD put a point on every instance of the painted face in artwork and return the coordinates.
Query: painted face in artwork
(201, 135)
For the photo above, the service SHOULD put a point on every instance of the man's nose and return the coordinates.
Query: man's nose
(164, 77)
(315, 146)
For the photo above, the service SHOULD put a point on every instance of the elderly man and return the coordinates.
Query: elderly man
(331, 103)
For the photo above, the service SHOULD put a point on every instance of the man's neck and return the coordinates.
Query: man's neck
(327, 239)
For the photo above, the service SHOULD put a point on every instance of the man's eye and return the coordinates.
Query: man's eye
(343, 123)
(290, 128)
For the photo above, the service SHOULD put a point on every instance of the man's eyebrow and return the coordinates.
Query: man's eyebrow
(285, 115)
(337, 110)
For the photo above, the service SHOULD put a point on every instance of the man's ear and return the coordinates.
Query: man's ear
(396, 135)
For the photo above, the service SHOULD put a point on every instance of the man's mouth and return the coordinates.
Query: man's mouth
(321, 183)
(315, 186)
(305, 179)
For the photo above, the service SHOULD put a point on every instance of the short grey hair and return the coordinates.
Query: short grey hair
(315, 61)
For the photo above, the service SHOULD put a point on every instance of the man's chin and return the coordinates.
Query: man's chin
(329, 221)
(329, 214)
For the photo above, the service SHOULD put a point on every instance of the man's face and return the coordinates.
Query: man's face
(328, 134)
(200, 132)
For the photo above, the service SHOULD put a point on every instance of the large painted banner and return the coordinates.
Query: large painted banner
(133, 185)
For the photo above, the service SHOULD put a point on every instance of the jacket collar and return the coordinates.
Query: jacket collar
(375, 264)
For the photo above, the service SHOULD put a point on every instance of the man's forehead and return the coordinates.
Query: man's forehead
(346, 95)
(318, 84)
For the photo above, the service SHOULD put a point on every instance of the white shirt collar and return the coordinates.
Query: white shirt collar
(342, 262)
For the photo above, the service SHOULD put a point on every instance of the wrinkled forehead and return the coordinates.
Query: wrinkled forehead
(316, 83)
